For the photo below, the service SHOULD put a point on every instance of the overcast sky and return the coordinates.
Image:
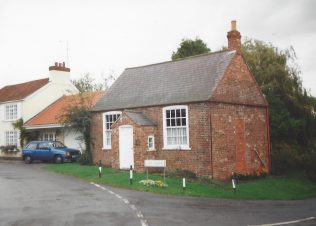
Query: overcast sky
(107, 36)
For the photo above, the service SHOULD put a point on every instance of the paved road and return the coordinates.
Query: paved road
(32, 196)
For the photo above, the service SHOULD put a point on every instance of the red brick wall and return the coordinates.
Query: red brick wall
(237, 132)
(196, 160)
(238, 85)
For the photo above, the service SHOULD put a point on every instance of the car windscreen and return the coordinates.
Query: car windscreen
(31, 146)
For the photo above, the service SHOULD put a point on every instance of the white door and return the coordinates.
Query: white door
(126, 147)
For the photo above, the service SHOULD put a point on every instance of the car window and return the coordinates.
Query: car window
(31, 146)
(43, 145)
(58, 144)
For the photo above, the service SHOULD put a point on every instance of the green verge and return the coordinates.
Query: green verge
(269, 188)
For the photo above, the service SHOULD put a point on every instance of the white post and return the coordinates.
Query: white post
(131, 175)
(183, 183)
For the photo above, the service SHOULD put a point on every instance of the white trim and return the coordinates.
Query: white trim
(105, 146)
(153, 141)
(48, 126)
(176, 147)
(12, 101)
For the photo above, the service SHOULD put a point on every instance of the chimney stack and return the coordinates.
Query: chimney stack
(59, 67)
(234, 38)
(59, 73)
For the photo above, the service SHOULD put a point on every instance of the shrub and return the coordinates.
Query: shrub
(9, 149)
(250, 176)
(85, 159)
(308, 164)
(182, 173)
(285, 159)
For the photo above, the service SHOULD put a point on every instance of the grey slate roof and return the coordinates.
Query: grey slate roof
(188, 80)
(140, 119)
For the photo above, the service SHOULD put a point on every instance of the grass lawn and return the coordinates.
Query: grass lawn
(272, 188)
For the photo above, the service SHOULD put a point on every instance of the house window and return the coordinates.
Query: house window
(151, 143)
(11, 138)
(11, 112)
(108, 119)
(50, 136)
(175, 127)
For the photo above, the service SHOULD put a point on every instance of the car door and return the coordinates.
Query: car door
(43, 151)
(31, 149)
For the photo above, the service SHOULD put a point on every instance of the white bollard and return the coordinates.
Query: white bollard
(131, 175)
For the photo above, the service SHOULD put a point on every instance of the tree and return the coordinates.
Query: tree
(77, 117)
(25, 135)
(87, 83)
(292, 109)
(190, 47)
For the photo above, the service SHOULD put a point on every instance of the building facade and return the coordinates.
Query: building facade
(205, 114)
(25, 100)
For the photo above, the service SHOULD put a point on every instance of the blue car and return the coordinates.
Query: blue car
(53, 151)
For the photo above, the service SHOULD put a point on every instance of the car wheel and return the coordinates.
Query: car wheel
(58, 159)
(27, 159)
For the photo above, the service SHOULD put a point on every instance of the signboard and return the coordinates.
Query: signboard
(155, 163)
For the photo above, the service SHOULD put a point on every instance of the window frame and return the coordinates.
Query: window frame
(153, 143)
(104, 130)
(7, 112)
(181, 146)
(48, 135)
(11, 135)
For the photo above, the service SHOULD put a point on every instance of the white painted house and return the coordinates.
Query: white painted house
(47, 122)
(25, 100)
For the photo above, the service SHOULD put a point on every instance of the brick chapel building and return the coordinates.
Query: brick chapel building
(205, 114)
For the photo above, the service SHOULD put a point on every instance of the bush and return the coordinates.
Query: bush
(182, 173)
(285, 159)
(250, 176)
(85, 159)
(308, 164)
(9, 149)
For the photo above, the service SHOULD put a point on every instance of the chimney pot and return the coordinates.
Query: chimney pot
(233, 25)
(64, 64)
(56, 64)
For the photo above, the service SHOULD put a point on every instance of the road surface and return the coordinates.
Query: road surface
(31, 196)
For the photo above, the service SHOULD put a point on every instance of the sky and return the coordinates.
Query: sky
(103, 37)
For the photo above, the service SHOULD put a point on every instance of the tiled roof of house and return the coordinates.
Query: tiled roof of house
(20, 91)
(187, 80)
(139, 118)
(51, 115)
